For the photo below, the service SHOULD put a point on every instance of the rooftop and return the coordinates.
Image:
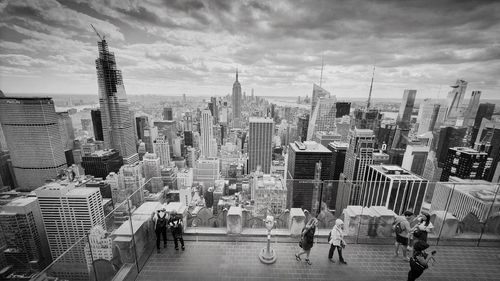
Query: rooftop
(260, 120)
(309, 146)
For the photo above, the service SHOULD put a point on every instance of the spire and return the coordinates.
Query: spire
(322, 65)
(371, 87)
(236, 74)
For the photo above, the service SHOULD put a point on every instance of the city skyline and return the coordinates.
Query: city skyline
(194, 47)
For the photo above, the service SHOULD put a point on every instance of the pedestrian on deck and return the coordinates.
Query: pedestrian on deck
(160, 220)
(336, 240)
(419, 260)
(402, 229)
(176, 228)
(422, 228)
(307, 240)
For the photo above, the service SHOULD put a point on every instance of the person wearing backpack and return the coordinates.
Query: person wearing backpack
(307, 239)
(402, 229)
(176, 228)
(336, 240)
(160, 220)
(419, 261)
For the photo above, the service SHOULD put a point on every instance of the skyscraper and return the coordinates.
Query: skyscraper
(391, 186)
(323, 116)
(343, 108)
(236, 102)
(466, 163)
(168, 114)
(97, 124)
(427, 116)
(207, 134)
(303, 127)
(117, 125)
(151, 166)
(260, 144)
(414, 159)
(472, 108)
(100, 163)
(488, 140)
(406, 108)
(69, 211)
(162, 150)
(485, 110)
(66, 129)
(32, 133)
(318, 93)
(455, 99)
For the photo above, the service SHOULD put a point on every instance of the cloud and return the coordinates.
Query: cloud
(197, 44)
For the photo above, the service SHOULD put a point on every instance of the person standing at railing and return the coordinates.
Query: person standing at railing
(336, 240)
(402, 229)
(307, 239)
(176, 228)
(160, 220)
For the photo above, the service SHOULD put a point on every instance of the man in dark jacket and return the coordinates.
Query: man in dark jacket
(160, 220)
(175, 223)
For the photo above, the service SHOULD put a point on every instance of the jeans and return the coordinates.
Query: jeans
(162, 232)
(332, 250)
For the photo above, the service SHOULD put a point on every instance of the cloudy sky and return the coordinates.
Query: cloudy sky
(172, 47)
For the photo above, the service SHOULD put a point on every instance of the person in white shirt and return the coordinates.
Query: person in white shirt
(337, 241)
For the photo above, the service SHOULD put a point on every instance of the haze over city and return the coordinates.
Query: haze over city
(193, 47)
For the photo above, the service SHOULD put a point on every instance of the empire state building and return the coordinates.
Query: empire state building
(117, 126)
(236, 102)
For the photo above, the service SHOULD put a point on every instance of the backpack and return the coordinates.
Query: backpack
(161, 222)
(309, 236)
(397, 228)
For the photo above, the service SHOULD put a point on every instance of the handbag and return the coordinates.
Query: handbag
(342, 244)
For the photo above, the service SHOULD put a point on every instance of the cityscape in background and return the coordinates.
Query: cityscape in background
(81, 174)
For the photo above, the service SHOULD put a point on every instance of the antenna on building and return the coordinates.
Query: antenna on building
(322, 65)
(98, 35)
(371, 87)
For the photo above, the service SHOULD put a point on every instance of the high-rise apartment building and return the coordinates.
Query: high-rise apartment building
(33, 136)
(23, 229)
(97, 124)
(308, 164)
(117, 124)
(466, 163)
(323, 117)
(100, 163)
(162, 150)
(69, 211)
(207, 135)
(236, 102)
(393, 187)
(260, 144)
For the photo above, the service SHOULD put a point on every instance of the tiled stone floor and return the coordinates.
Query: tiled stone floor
(239, 261)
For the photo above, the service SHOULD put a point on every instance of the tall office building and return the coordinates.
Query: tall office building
(207, 135)
(339, 150)
(323, 116)
(214, 109)
(427, 116)
(308, 164)
(471, 110)
(21, 224)
(415, 158)
(141, 124)
(66, 129)
(97, 124)
(448, 137)
(318, 93)
(100, 163)
(343, 108)
(236, 102)
(488, 140)
(466, 163)
(303, 127)
(6, 171)
(485, 110)
(367, 119)
(358, 156)
(3, 141)
(260, 144)
(393, 187)
(117, 125)
(455, 100)
(406, 108)
(151, 166)
(162, 150)
(32, 133)
(69, 212)
(130, 181)
(168, 114)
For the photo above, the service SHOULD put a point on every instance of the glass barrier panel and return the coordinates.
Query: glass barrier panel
(491, 229)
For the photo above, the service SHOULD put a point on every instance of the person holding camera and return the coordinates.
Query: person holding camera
(307, 240)
(419, 260)
(337, 241)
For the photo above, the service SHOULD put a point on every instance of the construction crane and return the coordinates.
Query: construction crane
(98, 35)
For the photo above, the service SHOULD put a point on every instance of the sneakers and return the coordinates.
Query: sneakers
(343, 262)
(332, 260)
(297, 257)
(308, 262)
(177, 248)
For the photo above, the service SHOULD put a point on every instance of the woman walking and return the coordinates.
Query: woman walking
(337, 241)
(307, 240)
(420, 260)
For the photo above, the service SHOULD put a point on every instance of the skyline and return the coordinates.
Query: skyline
(194, 47)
